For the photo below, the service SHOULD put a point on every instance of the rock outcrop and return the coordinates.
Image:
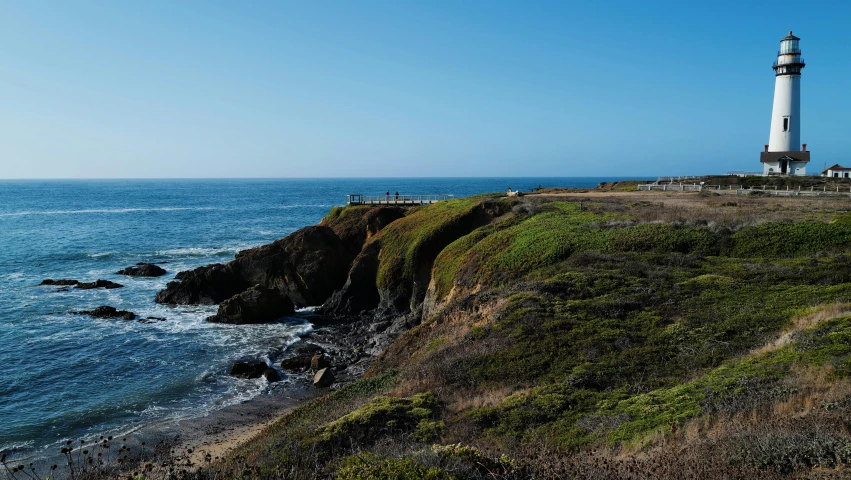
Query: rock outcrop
(105, 311)
(306, 266)
(249, 369)
(356, 225)
(319, 361)
(143, 270)
(271, 375)
(257, 304)
(81, 285)
(324, 378)
(98, 284)
(62, 282)
(299, 363)
(359, 293)
(207, 285)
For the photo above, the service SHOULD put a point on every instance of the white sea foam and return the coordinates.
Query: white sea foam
(105, 210)
(16, 446)
(204, 251)
(307, 205)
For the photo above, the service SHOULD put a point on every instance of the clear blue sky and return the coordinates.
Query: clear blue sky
(403, 88)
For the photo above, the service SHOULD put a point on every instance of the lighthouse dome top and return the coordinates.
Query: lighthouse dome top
(789, 37)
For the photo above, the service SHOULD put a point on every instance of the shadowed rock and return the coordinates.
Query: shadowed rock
(143, 270)
(271, 375)
(258, 304)
(359, 293)
(307, 266)
(98, 284)
(319, 361)
(250, 369)
(62, 282)
(207, 285)
(105, 311)
(324, 378)
(299, 363)
(308, 348)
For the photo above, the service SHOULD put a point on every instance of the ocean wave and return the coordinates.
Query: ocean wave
(11, 447)
(307, 205)
(101, 254)
(106, 210)
(203, 251)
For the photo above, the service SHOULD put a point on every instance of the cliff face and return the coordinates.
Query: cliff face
(359, 260)
(307, 266)
(391, 275)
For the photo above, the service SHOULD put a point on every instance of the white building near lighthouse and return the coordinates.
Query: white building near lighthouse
(784, 154)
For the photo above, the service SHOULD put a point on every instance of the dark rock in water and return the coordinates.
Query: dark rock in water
(98, 284)
(319, 361)
(307, 266)
(143, 270)
(299, 363)
(323, 378)
(205, 286)
(258, 304)
(250, 369)
(271, 375)
(105, 311)
(151, 320)
(62, 282)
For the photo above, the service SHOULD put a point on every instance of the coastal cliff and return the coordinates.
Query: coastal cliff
(591, 335)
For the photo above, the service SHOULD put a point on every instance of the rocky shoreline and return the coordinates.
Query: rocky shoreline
(333, 267)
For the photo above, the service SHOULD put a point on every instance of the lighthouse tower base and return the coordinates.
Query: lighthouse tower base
(784, 163)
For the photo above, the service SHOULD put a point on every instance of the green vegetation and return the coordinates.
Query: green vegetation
(409, 245)
(563, 330)
(777, 240)
(384, 416)
(367, 467)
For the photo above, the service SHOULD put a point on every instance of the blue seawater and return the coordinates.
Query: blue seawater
(66, 376)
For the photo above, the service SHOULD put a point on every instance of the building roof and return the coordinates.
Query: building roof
(775, 156)
(789, 37)
(836, 167)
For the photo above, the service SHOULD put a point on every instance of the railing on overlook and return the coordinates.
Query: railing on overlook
(358, 199)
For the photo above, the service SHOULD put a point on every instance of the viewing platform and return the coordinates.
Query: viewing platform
(357, 199)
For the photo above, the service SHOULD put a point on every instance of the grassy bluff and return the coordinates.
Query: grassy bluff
(581, 334)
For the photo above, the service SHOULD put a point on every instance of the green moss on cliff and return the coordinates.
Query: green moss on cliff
(403, 241)
(386, 416)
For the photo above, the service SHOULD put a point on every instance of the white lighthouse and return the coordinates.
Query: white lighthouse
(784, 154)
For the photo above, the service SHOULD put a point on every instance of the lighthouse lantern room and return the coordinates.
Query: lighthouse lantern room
(784, 154)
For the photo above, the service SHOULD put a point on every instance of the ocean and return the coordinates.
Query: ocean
(65, 376)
